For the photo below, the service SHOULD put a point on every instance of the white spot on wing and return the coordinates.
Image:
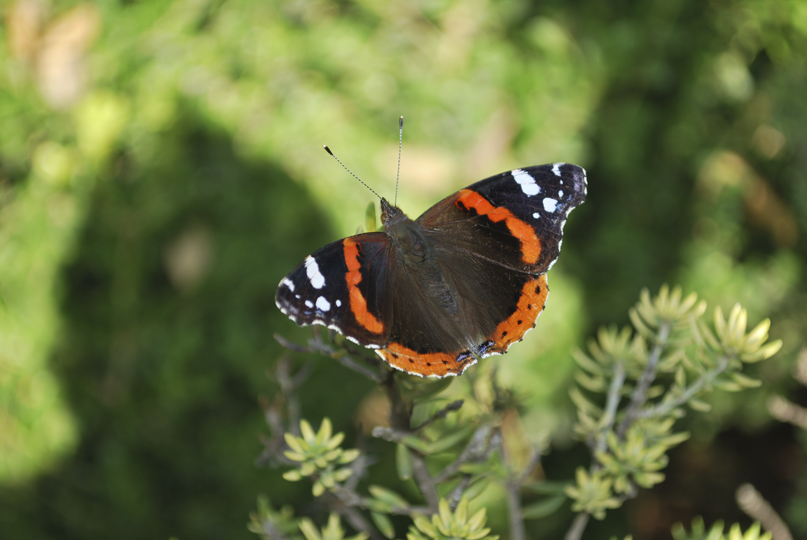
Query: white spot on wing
(323, 304)
(338, 303)
(313, 273)
(527, 182)
(550, 204)
(560, 193)
(556, 168)
(309, 303)
(288, 283)
(536, 215)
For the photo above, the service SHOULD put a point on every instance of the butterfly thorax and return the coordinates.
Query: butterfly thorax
(415, 251)
(406, 235)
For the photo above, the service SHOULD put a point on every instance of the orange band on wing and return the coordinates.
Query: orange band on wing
(530, 305)
(437, 364)
(530, 244)
(358, 304)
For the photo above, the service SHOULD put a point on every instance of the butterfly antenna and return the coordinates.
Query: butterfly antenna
(325, 146)
(400, 143)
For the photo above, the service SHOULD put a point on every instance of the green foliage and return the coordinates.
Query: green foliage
(319, 456)
(592, 493)
(448, 525)
(645, 379)
(672, 360)
(269, 523)
(699, 532)
(332, 531)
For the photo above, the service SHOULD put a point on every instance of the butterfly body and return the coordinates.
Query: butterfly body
(463, 281)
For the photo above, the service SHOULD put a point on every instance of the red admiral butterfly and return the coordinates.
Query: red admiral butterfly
(465, 280)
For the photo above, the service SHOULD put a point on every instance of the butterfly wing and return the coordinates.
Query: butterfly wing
(493, 307)
(502, 235)
(343, 286)
(517, 217)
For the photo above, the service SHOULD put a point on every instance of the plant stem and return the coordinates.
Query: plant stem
(454, 496)
(400, 418)
(611, 405)
(578, 526)
(358, 521)
(639, 396)
(478, 449)
(442, 413)
(693, 389)
(516, 518)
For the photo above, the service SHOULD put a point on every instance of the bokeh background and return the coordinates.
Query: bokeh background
(161, 169)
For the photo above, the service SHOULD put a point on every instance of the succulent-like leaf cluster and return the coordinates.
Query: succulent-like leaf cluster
(670, 359)
(638, 457)
(699, 532)
(592, 493)
(633, 384)
(332, 531)
(319, 455)
(270, 524)
(448, 525)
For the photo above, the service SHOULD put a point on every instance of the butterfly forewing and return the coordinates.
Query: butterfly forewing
(517, 216)
(343, 285)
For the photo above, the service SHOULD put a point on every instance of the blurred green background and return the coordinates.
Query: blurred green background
(161, 169)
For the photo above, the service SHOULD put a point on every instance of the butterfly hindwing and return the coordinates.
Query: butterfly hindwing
(342, 285)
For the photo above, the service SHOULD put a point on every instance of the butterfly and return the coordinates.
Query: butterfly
(464, 281)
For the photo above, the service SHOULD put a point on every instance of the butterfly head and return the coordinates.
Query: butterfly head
(390, 215)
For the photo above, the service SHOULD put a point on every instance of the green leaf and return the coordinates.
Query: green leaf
(318, 489)
(335, 441)
(292, 476)
(639, 324)
(416, 443)
(370, 223)
(763, 353)
(384, 524)
(592, 384)
(698, 405)
(403, 462)
(294, 443)
(388, 496)
(307, 432)
(728, 386)
(325, 432)
(584, 404)
(543, 508)
(449, 439)
(349, 455)
(294, 456)
(476, 487)
(587, 363)
(745, 381)
(547, 487)
(757, 336)
(426, 526)
(340, 475)
(309, 529)
(674, 439)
